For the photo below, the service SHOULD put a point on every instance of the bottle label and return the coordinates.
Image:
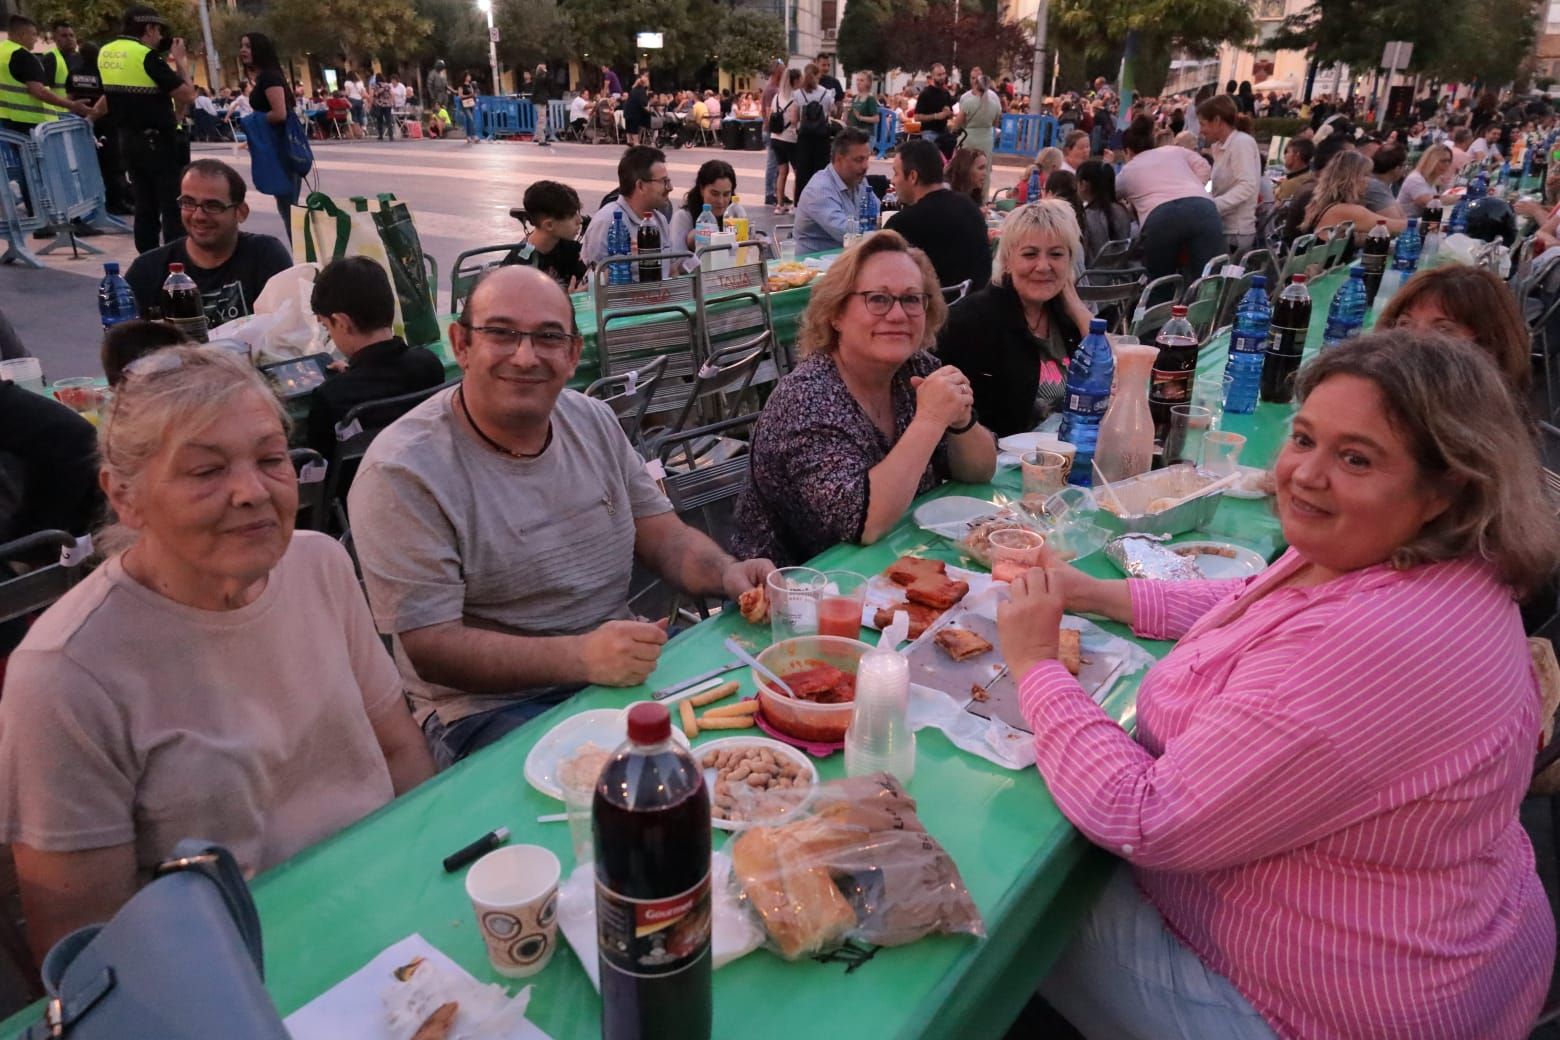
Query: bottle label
(1168, 387)
(649, 938)
(1244, 343)
(1087, 404)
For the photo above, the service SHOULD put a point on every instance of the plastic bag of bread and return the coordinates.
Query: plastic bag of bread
(857, 866)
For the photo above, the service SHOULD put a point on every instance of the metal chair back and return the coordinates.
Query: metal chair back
(1114, 253)
(471, 265)
(705, 466)
(1261, 261)
(1215, 265)
(313, 506)
(629, 396)
(1115, 303)
(25, 592)
(1150, 320)
(721, 386)
(955, 293)
(735, 304)
(639, 321)
(1235, 291)
(1203, 299)
(1164, 289)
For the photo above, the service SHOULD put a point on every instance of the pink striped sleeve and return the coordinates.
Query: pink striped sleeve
(1303, 734)
(1166, 609)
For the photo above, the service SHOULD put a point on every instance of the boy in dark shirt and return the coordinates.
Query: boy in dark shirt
(353, 299)
(553, 245)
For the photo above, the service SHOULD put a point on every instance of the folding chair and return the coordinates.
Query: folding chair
(1114, 253)
(1147, 323)
(629, 395)
(310, 466)
(639, 321)
(38, 569)
(1234, 292)
(1545, 328)
(1114, 303)
(706, 472)
(734, 305)
(1295, 263)
(955, 293)
(720, 387)
(1260, 261)
(1164, 289)
(1215, 265)
(354, 433)
(465, 274)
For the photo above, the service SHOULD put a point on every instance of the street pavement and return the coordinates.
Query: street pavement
(460, 195)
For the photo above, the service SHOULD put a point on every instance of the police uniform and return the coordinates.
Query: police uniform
(19, 110)
(153, 146)
(56, 73)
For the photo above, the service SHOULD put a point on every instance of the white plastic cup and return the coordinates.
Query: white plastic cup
(514, 893)
(26, 373)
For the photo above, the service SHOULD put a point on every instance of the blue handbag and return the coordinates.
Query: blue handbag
(182, 960)
(273, 166)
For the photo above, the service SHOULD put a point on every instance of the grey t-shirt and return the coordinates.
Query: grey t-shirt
(1378, 197)
(447, 528)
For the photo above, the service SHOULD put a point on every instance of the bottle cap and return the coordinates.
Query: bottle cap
(1096, 326)
(1178, 310)
(111, 267)
(175, 268)
(649, 723)
(1259, 281)
(1298, 279)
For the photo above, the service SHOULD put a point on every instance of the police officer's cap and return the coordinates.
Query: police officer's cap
(140, 16)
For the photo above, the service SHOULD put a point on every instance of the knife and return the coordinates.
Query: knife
(676, 688)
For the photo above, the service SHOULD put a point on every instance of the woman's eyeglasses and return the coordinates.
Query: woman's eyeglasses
(880, 303)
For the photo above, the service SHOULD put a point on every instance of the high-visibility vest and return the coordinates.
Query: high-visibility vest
(122, 68)
(16, 104)
(61, 76)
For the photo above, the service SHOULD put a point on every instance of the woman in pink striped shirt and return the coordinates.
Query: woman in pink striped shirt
(1320, 806)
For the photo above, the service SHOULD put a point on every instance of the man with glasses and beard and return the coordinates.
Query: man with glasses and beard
(498, 523)
(229, 266)
(644, 194)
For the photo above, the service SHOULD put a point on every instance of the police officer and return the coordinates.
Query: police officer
(25, 98)
(60, 60)
(142, 91)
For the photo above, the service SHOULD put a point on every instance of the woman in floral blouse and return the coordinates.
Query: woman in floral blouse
(868, 420)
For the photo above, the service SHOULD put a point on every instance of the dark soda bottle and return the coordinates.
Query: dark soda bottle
(182, 305)
(649, 241)
(1174, 369)
(1432, 216)
(651, 818)
(1378, 244)
(1286, 342)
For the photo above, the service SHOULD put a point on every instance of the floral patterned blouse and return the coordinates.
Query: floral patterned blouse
(812, 449)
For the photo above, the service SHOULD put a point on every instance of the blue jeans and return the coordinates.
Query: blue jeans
(468, 119)
(1181, 236)
(449, 744)
(1127, 977)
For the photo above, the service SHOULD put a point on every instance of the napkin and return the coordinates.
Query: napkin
(356, 1005)
(732, 932)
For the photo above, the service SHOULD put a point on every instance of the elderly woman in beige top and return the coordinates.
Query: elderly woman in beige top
(219, 678)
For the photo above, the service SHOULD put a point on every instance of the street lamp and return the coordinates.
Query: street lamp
(486, 7)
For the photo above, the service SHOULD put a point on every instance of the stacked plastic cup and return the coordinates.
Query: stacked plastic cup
(880, 739)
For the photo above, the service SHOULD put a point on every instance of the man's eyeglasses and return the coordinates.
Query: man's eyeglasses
(880, 303)
(210, 207)
(543, 341)
(665, 182)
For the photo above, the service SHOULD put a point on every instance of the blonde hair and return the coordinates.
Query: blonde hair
(832, 292)
(1432, 158)
(1053, 217)
(1467, 432)
(1049, 159)
(161, 399)
(1337, 184)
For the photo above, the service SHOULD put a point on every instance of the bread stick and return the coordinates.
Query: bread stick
(721, 692)
(747, 707)
(689, 724)
(727, 722)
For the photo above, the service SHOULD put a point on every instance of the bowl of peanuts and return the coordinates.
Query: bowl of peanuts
(754, 780)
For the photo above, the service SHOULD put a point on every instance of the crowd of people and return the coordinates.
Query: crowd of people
(1289, 863)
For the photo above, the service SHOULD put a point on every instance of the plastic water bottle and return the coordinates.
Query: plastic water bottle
(1248, 347)
(1346, 316)
(867, 215)
(1033, 193)
(1406, 257)
(704, 227)
(1479, 188)
(1457, 223)
(116, 303)
(1089, 378)
(618, 244)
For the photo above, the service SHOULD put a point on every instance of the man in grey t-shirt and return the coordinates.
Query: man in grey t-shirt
(497, 526)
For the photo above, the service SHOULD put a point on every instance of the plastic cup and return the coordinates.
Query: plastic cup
(514, 893)
(1017, 545)
(1221, 452)
(1189, 424)
(794, 593)
(26, 373)
(840, 605)
(82, 394)
(1044, 472)
(578, 798)
(788, 250)
(1211, 395)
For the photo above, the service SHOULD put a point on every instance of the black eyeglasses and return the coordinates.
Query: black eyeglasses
(210, 207)
(542, 340)
(880, 303)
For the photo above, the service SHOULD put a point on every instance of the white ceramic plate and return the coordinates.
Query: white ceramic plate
(1245, 487)
(944, 516)
(790, 753)
(606, 727)
(1221, 559)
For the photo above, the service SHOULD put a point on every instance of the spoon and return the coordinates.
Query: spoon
(752, 662)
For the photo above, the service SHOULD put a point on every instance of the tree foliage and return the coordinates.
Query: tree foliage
(458, 35)
(333, 30)
(102, 19)
(530, 31)
(863, 36)
(916, 34)
(750, 40)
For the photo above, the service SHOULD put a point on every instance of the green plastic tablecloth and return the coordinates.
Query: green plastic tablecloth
(326, 912)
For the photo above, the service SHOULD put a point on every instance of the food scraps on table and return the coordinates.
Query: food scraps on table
(978, 692)
(437, 1025)
(960, 643)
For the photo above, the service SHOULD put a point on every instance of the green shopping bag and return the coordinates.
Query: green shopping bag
(382, 229)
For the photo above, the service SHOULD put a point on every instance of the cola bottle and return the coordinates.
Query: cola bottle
(1378, 245)
(182, 305)
(1174, 370)
(649, 241)
(1432, 216)
(1286, 341)
(651, 820)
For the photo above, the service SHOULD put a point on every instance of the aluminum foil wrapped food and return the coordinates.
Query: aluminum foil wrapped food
(1147, 556)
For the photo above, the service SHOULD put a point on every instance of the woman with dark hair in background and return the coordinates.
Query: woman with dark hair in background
(1104, 219)
(272, 96)
(1063, 185)
(1245, 100)
(967, 174)
(713, 186)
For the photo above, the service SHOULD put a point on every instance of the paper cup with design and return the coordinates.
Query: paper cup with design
(514, 892)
